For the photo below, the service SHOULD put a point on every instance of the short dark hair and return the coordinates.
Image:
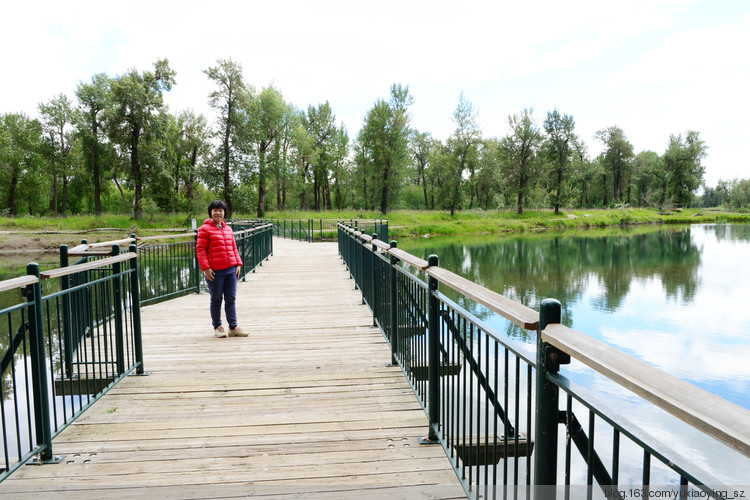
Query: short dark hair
(218, 204)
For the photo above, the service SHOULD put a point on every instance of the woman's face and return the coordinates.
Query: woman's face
(217, 214)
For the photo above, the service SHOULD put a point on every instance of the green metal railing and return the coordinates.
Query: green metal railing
(69, 346)
(312, 230)
(64, 352)
(495, 406)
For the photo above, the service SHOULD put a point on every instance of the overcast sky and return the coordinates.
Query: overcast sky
(652, 67)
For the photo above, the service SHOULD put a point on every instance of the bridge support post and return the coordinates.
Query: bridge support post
(394, 307)
(40, 388)
(433, 355)
(117, 290)
(135, 291)
(548, 361)
(67, 325)
(375, 281)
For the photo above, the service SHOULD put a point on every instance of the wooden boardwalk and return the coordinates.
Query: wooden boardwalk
(305, 406)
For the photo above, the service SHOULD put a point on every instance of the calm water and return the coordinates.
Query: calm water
(675, 297)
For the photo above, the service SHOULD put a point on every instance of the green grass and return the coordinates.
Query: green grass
(404, 223)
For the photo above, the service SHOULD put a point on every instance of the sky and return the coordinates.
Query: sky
(654, 68)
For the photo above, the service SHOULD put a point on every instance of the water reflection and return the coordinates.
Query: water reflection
(673, 297)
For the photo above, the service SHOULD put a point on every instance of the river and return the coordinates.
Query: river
(673, 296)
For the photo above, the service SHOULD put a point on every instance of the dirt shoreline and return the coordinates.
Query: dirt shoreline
(37, 242)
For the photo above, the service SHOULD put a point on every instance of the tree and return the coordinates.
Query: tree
(385, 139)
(617, 158)
(20, 144)
(647, 168)
(138, 105)
(518, 154)
(267, 115)
(93, 99)
(228, 99)
(488, 176)
(57, 119)
(682, 166)
(422, 145)
(464, 146)
(560, 149)
(319, 122)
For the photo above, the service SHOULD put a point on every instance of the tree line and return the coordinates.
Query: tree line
(116, 147)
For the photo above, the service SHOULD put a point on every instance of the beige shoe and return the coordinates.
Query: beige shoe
(219, 332)
(237, 332)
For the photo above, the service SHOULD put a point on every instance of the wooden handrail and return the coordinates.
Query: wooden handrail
(77, 268)
(19, 282)
(408, 258)
(381, 244)
(707, 412)
(161, 237)
(519, 314)
(110, 243)
(523, 316)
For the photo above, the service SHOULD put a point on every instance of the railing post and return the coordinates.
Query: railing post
(196, 266)
(117, 289)
(243, 242)
(374, 295)
(40, 386)
(433, 355)
(67, 320)
(394, 307)
(135, 291)
(547, 405)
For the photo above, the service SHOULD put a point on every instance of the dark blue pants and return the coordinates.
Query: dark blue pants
(224, 285)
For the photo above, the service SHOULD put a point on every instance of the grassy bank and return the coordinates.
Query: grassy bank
(402, 223)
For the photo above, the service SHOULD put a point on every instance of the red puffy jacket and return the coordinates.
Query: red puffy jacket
(216, 247)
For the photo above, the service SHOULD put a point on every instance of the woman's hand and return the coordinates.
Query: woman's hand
(209, 274)
(237, 271)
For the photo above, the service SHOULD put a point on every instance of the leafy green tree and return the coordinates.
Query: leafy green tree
(560, 150)
(20, 158)
(339, 155)
(683, 171)
(136, 116)
(464, 143)
(647, 166)
(739, 194)
(320, 124)
(57, 121)
(385, 139)
(267, 114)
(93, 99)
(617, 158)
(488, 176)
(422, 145)
(282, 165)
(518, 154)
(231, 96)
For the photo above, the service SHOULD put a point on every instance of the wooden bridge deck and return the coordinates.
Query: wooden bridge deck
(304, 406)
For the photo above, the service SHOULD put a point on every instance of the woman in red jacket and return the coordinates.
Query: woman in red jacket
(220, 262)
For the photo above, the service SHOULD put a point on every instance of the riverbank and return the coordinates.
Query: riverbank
(43, 234)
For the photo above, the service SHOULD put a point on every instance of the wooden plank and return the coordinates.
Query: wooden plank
(408, 258)
(64, 271)
(382, 245)
(124, 241)
(523, 316)
(707, 412)
(89, 253)
(163, 237)
(19, 282)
